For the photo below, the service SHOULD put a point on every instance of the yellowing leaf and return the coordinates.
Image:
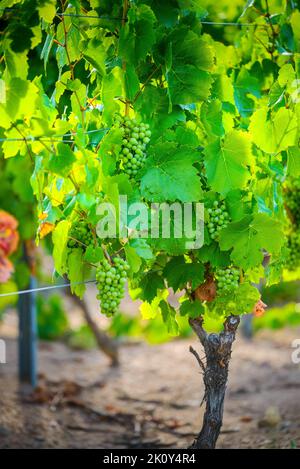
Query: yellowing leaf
(275, 134)
(150, 310)
(45, 228)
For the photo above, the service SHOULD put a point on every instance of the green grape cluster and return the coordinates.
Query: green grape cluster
(293, 244)
(111, 280)
(218, 218)
(227, 279)
(80, 235)
(292, 200)
(136, 138)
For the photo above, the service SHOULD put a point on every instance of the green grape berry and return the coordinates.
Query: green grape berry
(218, 218)
(227, 279)
(292, 200)
(80, 235)
(293, 246)
(111, 279)
(136, 138)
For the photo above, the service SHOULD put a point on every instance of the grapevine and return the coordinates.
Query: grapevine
(223, 119)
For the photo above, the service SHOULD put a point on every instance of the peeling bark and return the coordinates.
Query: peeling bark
(217, 349)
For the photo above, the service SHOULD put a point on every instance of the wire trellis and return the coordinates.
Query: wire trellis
(55, 138)
(119, 18)
(48, 287)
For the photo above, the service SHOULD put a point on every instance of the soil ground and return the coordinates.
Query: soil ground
(152, 400)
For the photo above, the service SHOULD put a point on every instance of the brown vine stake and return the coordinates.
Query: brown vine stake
(217, 349)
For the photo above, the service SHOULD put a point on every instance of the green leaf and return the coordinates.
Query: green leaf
(150, 284)
(248, 237)
(169, 317)
(21, 98)
(152, 309)
(132, 258)
(154, 109)
(188, 84)
(93, 254)
(189, 48)
(60, 240)
(293, 166)
(211, 116)
(193, 309)
(76, 272)
(62, 162)
(276, 94)
(47, 10)
(213, 255)
(227, 162)
(24, 32)
(47, 49)
(179, 273)
(112, 87)
(276, 134)
(239, 301)
(110, 148)
(144, 31)
(142, 248)
(244, 85)
(95, 54)
(170, 174)
(132, 83)
(286, 75)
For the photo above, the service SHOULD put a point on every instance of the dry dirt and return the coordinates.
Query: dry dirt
(152, 400)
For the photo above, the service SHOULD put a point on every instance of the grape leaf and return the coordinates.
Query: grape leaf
(293, 166)
(60, 240)
(132, 258)
(193, 309)
(178, 273)
(169, 317)
(276, 134)
(249, 236)
(132, 83)
(244, 85)
(189, 48)
(150, 284)
(227, 162)
(77, 270)
(170, 175)
(61, 163)
(109, 150)
(150, 310)
(239, 301)
(188, 84)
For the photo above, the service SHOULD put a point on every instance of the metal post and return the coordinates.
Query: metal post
(28, 335)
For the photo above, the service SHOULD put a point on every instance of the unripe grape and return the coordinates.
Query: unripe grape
(112, 290)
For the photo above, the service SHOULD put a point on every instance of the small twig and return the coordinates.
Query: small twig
(196, 325)
(145, 84)
(196, 355)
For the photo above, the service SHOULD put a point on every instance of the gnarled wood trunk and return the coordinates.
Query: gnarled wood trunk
(217, 349)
